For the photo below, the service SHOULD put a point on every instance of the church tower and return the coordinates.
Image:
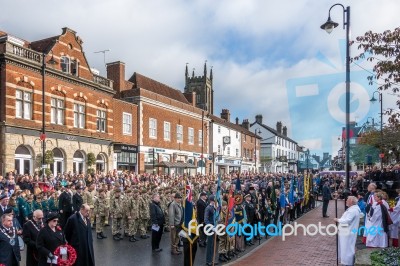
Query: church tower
(203, 87)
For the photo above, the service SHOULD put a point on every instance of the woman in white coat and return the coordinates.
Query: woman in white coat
(348, 224)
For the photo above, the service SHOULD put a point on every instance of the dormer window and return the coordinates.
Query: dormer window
(69, 66)
(65, 64)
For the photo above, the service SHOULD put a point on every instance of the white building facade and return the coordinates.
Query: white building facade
(278, 152)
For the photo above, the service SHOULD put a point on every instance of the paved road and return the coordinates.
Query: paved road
(303, 250)
(110, 252)
(298, 250)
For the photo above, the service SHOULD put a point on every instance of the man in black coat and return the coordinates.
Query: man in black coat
(77, 199)
(326, 197)
(65, 206)
(251, 215)
(9, 244)
(30, 232)
(78, 233)
(201, 205)
(4, 199)
(157, 221)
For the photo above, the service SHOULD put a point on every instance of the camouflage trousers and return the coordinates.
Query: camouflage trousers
(125, 223)
(143, 223)
(223, 244)
(107, 216)
(133, 226)
(100, 221)
(116, 225)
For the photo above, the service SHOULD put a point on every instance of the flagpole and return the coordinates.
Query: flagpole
(191, 256)
(337, 236)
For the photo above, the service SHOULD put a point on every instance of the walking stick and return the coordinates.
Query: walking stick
(337, 235)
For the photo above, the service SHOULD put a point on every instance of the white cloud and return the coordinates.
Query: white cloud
(157, 38)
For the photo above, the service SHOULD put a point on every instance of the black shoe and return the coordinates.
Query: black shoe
(126, 234)
(157, 250)
(102, 235)
(132, 239)
(116, 237)
(221, 258)
(227, 257)
(144, 236)
(325, 216)
(99, 236)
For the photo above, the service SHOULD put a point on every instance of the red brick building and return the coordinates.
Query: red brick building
(81, 116)
(171, 130)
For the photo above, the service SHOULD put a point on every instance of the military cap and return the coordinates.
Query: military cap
(117, 190)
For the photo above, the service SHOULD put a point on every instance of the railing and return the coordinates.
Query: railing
(103, 81)
(23, 52)
(34, 56)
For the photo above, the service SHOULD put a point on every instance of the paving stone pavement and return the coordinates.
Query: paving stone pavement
(299, 250)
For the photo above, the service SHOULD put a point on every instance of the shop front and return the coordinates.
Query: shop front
(125, 157)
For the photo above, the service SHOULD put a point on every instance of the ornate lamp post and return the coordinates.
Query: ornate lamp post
(328, 26)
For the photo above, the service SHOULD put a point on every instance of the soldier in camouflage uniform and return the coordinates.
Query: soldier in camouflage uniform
(125, 219)
(164, 207)
(223, 240)
(88, 198)
(100, 206)
(117, 210)
(133, 215)
(108, 197)
(144, 214)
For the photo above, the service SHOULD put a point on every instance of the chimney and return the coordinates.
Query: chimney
(285, 131)
(116, 72)
(191, 97)
(279, 127)
(259, 119)
(246, 124)
(226, 115)
(237, 120)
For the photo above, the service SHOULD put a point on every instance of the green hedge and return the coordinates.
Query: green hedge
(385, 257)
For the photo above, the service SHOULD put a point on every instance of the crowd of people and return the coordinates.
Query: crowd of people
(47, 213)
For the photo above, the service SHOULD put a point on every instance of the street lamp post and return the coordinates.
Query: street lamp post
(308, 159)
(373, 99)
(328, 26)
(255, 148)
(43, 134)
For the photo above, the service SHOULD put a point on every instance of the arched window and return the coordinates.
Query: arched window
(23, 160)
(78, 162)
(58, 165)
(101, 163)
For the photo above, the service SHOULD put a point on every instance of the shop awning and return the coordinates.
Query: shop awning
(175, 165)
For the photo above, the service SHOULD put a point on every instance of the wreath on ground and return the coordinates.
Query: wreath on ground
(71, 256)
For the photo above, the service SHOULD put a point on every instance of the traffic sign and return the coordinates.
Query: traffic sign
(381, 155)
(42, 136)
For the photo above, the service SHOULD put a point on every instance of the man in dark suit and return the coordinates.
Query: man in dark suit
(3, 203)
(326, 197)
(65, 206)
(78, 233)
(77, 199)
(201, 205)
(9, 245)
(30, 232)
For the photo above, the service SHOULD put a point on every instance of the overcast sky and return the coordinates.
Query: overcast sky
(258, 50)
